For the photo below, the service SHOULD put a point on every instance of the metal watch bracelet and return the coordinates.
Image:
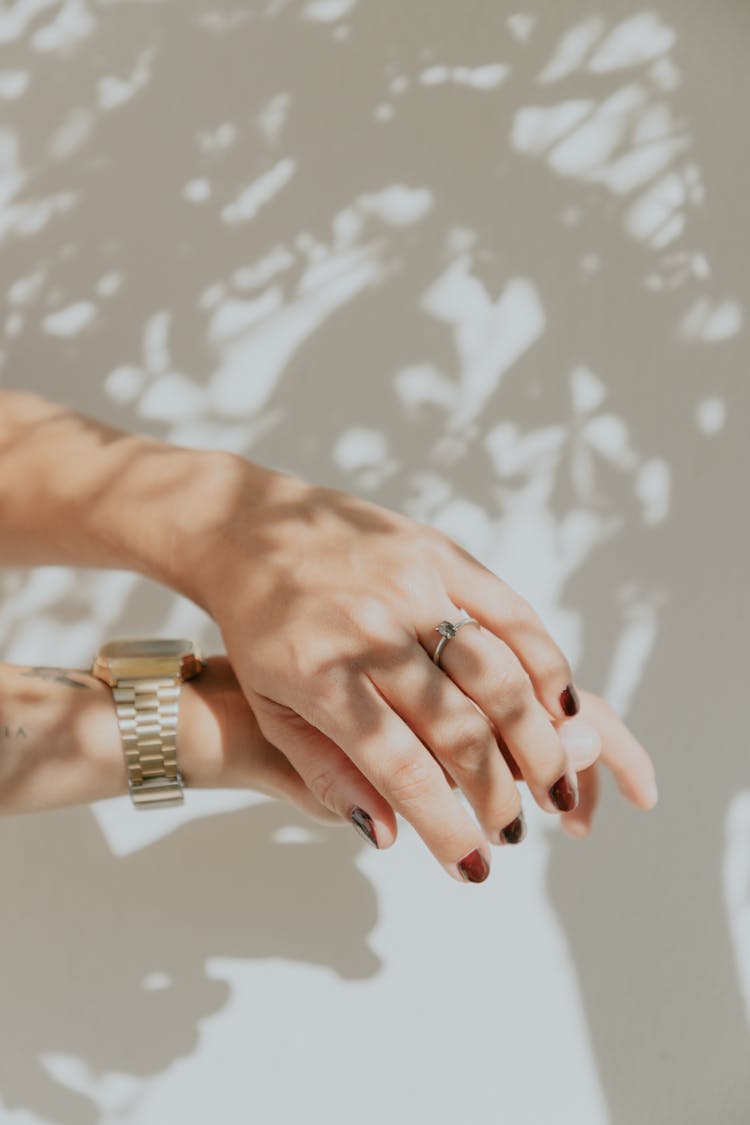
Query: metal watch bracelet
(147, 712)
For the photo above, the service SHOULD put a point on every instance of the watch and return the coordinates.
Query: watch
(145, 677)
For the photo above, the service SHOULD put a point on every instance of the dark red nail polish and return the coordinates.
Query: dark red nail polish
(474, 867)
(362, 821)
(569, 700)
(514, 832)
(564, 793)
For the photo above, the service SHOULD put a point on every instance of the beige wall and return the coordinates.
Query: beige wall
(487, 266)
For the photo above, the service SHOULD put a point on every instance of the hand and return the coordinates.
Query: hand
(598, 736)
(222, 747)
(328, 606)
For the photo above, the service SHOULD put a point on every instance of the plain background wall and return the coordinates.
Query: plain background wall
(486, 265)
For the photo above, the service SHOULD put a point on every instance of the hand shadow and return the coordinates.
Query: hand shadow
(218, 886)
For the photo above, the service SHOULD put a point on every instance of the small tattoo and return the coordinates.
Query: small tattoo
(12, 732)
(56, 675)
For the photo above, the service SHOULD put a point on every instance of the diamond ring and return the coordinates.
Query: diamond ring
(448, 629)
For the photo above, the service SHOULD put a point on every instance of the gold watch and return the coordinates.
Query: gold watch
(145, 677)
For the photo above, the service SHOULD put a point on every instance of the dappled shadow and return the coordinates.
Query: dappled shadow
(484, 270)
(104, 958)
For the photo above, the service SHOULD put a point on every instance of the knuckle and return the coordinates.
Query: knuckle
(508, 808)
(324, 785)
(371, 617)
(548, 767)
(552, 666)
(521, 612)
(515, 694)
(453, 843)
(440, 546)
(470, 744)
(409, 780)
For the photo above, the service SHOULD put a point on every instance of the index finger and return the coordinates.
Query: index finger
(502, 611)
(398, 764)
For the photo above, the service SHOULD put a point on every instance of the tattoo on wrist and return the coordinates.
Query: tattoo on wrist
(7, 731)
(57, 676)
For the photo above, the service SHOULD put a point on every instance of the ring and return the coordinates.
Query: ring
(448, 629)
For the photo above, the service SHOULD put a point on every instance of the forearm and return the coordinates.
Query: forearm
(74, 491)
(60, 743)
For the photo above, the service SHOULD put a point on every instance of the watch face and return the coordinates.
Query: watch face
(147, 659)
(155, 647)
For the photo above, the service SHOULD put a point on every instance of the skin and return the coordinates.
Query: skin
(60, 743)
(327, 605)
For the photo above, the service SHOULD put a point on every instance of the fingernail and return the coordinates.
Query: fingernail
(514, 832)
(581, 742)
(474, 867)
(362, 821)
(569, 700)
(564, 793)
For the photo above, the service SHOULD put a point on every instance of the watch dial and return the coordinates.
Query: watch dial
(147, 648)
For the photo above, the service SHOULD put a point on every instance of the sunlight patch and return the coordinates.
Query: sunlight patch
(587, 390)
(652, 487)
(327, 11)
(636, 40)
(13, 83)
(73, 23)
(124, 383)
(711, 415)
(486, 77)
(71, 320)
(571, 51)
(397, 205)
(711, 322)
(261, 191)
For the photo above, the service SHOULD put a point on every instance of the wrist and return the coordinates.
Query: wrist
(59, 740)
(218, 738)
(219, 525)
(190, 516)
(165, 510)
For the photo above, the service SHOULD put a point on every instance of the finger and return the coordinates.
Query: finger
(511, 618)
(578, 822)
(582, 742)
(460, 737)
(358, 718)
(329, 775)
(622, 753)
(281, 780)
(488, 672)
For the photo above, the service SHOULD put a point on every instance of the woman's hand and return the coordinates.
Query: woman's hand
(220, 745)
(328, 605)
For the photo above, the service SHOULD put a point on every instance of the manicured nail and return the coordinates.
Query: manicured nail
(564, 793)
(514, 832)
(474, 867)
(569, 700)
(582, 743)
(362, 821)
